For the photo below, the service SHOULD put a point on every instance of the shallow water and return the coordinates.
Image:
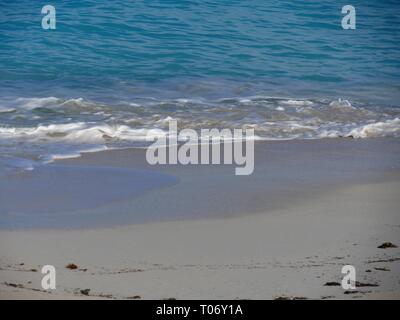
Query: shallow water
(113, 72)
(118, 187)
(43, 196)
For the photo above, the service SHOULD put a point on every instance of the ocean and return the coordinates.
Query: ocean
(113, 72)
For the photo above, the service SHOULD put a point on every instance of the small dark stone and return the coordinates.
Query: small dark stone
(387, 245)
(72, 266)
(85, 292)
(135, 297)
(368, 270)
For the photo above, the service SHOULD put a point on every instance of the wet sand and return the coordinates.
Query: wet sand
(309, 208)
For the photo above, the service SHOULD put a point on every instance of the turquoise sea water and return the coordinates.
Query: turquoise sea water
(113, 70)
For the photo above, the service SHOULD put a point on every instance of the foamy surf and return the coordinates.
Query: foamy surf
(51, 128)
(76, 133)
(379, 129)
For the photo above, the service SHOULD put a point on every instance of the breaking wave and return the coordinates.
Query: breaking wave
(76, 133)
(50, 127)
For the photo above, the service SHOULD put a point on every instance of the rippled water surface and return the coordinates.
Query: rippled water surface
(113, 71)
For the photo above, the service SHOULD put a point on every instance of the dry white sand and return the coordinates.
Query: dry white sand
(290, 253)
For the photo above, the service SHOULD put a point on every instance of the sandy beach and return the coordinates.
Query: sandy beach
(200, 150)
(200, 232)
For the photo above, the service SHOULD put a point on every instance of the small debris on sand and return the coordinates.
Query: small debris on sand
(71, 266)
(108, 296)
(135, 297)
(332, 284)
(282, 298)
(85, 292)
(387, 245)
(384, 260)
(361, 284)
(350, 292)
(14, 285)
(290, 298)
(382, 269)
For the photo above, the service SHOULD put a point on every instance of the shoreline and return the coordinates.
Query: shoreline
(81, 192)
(311, 221)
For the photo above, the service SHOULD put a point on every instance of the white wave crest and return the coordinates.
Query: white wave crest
(7, 110)
(80, 133)
(33, 103)
(389, 128)
(301, 103)
(341, 104)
